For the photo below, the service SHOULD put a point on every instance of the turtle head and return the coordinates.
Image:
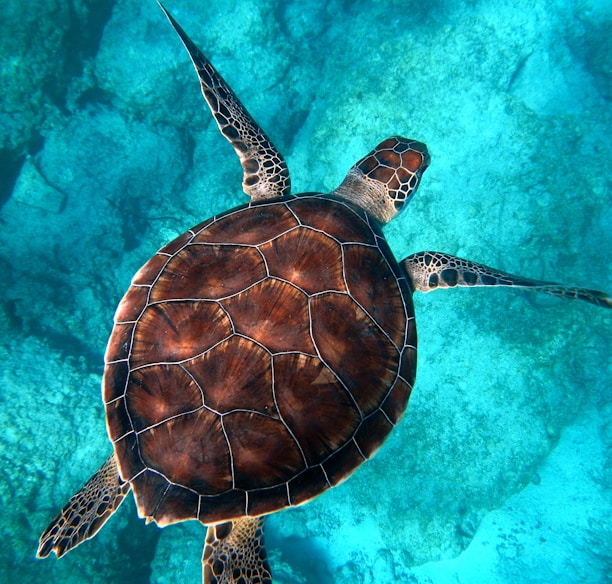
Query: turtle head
(385, 180)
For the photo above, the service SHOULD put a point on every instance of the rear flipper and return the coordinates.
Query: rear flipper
(429, 270)
(86, 512)
(235, 553)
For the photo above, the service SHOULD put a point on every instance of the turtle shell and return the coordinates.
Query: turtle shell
(258, 359)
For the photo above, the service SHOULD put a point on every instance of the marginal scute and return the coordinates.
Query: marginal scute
(176, 504)
(342, 463)
(267, 500)
(176, 244)
(307, 485)
(114, 381)
(131, 304)
(409, 363)
(228, 505)
(395, 404)
(149, 272)
(149, 488)
(117, 419)
(119, 343)
(370, 431)
(129, 461)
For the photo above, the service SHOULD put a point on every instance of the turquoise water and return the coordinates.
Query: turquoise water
(501, 470)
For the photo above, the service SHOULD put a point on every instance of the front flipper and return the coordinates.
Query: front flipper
(86, 512)
(266, 175)
(429, 270)
(235, 553)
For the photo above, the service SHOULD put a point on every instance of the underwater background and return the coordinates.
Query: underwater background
(501, 469)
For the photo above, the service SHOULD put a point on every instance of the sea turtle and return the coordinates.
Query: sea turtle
(259, 358)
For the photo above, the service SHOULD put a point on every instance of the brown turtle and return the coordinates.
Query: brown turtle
(258, 359)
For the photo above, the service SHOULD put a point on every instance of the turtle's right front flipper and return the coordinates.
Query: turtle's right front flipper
(429, 270)
(86, 512)
(266, 175)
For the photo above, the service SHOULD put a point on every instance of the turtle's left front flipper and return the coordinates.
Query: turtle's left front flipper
(266, 175)
(235, 553)
(86, 512)
(429, 270)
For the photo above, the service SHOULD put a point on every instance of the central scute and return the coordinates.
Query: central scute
(257, 360)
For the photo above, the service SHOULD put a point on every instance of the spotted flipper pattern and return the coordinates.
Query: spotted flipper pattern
(86, 512)
(266, 175)
(235, 553)
(429, 270)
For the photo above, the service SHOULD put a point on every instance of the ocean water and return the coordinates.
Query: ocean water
(501, 469)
